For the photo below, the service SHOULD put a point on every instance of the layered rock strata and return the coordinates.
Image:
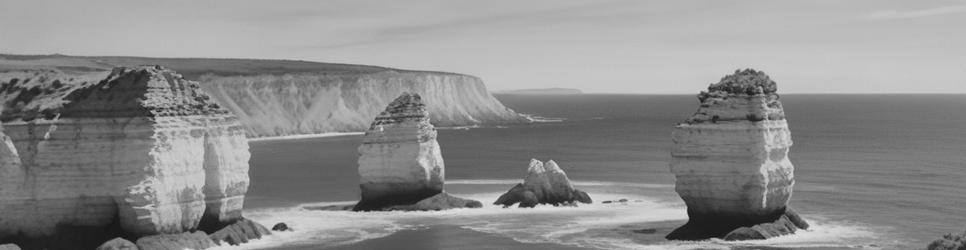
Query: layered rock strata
(283, 97)
(141, 152)
(730, 158)
(545, 183)
(399, 160)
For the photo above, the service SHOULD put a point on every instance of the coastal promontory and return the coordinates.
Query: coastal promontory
(288, 97)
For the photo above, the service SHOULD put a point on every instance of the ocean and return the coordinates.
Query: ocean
(872, 172)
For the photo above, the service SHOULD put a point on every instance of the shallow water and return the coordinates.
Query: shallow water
(873, 172)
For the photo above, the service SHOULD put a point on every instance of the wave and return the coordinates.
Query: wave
(602, 226)
(575, 183)
(539, 119)
(305, 136)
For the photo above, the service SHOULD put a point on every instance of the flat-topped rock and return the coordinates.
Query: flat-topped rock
(399, 160)
(730, 158)
(545, 183)
(139, 152)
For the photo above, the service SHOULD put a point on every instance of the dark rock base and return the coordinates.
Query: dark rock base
(441, 201)
(196, 240)
(380, 196)
(239, 232)
(701, 227)
(529, 198)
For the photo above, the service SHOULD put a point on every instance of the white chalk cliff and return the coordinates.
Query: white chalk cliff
(730, 159)
(399, 159)
(141, 152)
(282, 97)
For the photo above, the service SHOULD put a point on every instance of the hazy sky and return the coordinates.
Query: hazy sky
(840, 46)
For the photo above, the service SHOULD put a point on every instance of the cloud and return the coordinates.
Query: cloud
(895, 14)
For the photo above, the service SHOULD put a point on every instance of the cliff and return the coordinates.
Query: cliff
(285, 97)
(141, 152)
(730, 158)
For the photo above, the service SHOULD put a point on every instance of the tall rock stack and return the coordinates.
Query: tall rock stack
(731, 162)
(141, 152)
(399, 159)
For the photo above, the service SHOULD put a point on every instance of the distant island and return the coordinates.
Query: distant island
(547, 91)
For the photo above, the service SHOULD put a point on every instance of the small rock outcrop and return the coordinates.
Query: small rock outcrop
(118, 244)
(281, 227)
(545, 183)
(949, 242)
(731, 162)
(441, 201)
(239, 232)
(140, 152)
(195, 240)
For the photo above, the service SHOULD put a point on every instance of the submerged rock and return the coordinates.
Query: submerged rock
(400, 161)
(545, 183)
(139, 153)
(730, 159)
(118, 244)
(788, 223)
(281, 227)
(441, 201)
(195, 240)
(239, 232)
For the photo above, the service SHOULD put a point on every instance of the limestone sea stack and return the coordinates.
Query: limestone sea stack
(142, 152)
(399, 160)
(545, 183)
(731, 162)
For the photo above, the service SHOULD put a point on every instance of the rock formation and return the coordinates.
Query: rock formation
(949, 242)
(545, 183)
(730, 158)
(239, 232)
(142, 152)
(399, 160)
(280, 97)
(118, 244)
(195, 240)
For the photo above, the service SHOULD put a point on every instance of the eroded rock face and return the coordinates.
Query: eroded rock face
(141, 152)
(399, 160)
(730, 158)
(545, 183)
(441, 201)
(239, 232)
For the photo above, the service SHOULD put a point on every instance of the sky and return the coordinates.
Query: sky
(598, 46)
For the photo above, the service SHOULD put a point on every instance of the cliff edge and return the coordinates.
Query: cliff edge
(285, 97)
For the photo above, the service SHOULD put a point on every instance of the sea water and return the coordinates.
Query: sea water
(872, 172)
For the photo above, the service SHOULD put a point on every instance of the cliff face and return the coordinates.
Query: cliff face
(273, 105)
(399, 159)
(282, 97)
(141, 152)
(730, 158)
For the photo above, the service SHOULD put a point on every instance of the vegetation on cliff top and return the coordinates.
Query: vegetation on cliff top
(742, 82)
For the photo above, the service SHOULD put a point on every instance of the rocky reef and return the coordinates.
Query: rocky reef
(140, 152)
(399, 160)
(545, 183)
(731, 161)
(284, 97)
